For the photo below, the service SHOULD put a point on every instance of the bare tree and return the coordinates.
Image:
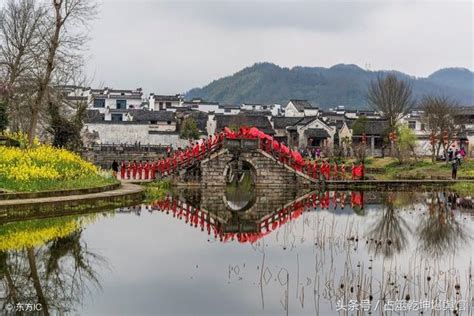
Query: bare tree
(19, 37)
(63, 40)
(392, 97)
(440, 115)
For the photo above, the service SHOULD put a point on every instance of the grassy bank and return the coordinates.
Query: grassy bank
(423, 169)
(466, 189)
(157, 190)
(44, 168)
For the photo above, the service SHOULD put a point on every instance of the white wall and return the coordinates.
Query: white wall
(314, 112)
(209, 107)
(211, 124)
(291, 111)
(131, 133)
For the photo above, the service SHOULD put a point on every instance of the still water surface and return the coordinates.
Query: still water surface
(266, 253)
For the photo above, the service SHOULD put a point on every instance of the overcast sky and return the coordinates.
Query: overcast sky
(172, 46)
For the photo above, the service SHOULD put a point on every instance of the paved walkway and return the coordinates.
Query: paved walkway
(125, 189)
(136, 181)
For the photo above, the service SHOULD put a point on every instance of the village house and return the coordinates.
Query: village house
(275, 109)
(217, 122)
(114, 103)
(165, 102)
(202, 105)
(142, 126)
(304, 132)
(373, 130)
(300, 108)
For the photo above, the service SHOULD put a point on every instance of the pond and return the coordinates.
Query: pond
(267, 252)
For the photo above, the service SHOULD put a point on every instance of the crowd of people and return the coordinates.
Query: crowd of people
(175, 160)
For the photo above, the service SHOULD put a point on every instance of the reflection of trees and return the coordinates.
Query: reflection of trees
(56, 274)
(439, 232)
(389, 233)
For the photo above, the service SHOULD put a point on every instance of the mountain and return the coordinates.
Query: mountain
(341, 84)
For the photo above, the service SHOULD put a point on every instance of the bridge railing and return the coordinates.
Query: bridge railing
(128, 147)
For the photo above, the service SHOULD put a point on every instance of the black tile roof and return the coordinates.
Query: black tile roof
(282, 122)
(259, 121)
(147, 116)
(372, 127)
(166, 97)
(301, 105)
(316, 133)
(229, 106)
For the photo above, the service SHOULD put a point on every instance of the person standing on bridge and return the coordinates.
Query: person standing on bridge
(175, 162)
(343, 171)
(153, 170)
(188, 155)
(315, 170)
(147, 170)
(134, 169)
(309, 168)
(129, 166)
(140, 170)
(336, 170)
(114, 168)
(122, 170)
(328, 170)
(203, 148)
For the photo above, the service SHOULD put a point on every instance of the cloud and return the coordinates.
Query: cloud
(170, 47)
(322, 16)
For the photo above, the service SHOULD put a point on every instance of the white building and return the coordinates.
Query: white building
(275, 109)
(165, 102)
(113, 102)
(300, 108)
(202, 105)
(142, 126)
(228, 109)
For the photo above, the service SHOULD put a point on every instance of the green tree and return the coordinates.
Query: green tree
(360, 125)
(66, 133)
(3, 116)
(406, 143)
(189, 130)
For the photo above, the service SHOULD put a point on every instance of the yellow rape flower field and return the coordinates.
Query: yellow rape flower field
(43, 168)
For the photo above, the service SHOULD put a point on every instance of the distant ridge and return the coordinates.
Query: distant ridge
(341, 84)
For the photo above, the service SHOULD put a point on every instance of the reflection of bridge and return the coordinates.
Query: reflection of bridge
(272, 209)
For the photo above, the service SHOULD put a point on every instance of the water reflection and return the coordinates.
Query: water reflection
(389, 233)
(287, 252)
(440, 231)
(49, 264)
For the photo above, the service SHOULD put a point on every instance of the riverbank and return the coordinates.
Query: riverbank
(390, 169)
(18, 209)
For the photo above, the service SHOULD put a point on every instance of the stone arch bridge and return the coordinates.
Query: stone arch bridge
(242, 155)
